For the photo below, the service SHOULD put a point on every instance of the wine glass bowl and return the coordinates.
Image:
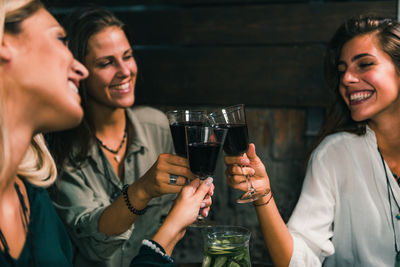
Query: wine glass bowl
(233, 119)
(203, 148)
(178, 119)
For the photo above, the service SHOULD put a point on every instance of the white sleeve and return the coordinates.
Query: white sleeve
(311, 223)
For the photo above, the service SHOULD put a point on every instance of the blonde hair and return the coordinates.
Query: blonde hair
(37, 166)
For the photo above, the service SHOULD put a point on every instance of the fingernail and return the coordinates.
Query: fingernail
(202, 205)
(245, 161)
(208, 181)
(212, 193)
(206, 213)
(253, 171)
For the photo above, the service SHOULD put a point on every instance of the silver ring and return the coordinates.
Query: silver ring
(173, 178)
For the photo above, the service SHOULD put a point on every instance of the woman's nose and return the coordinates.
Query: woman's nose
(124, 69)
(349, 77)
(80, 69)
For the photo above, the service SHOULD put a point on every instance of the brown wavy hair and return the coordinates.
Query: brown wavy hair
(387, 31)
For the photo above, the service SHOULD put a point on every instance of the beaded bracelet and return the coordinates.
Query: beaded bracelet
(152, 244)
(128, 203)
(265, 203)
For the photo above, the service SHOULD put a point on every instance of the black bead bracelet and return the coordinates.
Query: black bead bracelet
(128, 203)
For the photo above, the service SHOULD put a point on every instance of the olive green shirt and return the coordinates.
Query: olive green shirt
(82, 194)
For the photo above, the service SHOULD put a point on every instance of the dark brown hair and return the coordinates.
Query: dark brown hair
(387, 32)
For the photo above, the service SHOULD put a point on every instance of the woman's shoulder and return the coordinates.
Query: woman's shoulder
(338, 143)
(150, 115)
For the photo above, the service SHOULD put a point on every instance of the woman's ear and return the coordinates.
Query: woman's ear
(5, 49)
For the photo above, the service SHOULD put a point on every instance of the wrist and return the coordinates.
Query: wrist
(264, 200)
(137, 191)
(168, 236)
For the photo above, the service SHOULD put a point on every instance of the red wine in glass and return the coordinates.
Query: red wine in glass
(237, 138)
(203, 158)
(178, 119)
(237, 141)
(203, 145)
(179, 137)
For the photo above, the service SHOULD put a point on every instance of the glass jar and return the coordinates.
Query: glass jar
(226, 246)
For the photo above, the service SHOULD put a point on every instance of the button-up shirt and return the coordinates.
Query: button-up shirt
(83, 193)
(343, 216)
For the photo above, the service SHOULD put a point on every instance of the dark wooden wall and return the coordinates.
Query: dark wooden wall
(218, 52)
(266, 54)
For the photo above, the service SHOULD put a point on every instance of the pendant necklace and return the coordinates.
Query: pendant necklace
(390, 195)
(116, 151)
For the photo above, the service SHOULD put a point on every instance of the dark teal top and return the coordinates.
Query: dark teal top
(148, 257)
(47, 243)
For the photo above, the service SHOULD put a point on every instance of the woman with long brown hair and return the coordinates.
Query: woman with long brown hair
(348, 212)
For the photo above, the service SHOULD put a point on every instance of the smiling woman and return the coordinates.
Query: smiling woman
(348, 212)
(115, 167)
(39, 79)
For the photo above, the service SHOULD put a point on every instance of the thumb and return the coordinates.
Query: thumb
(203, 189)
(251, 152)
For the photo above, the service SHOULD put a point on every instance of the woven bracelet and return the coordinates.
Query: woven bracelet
(128, 203)
(265, 203)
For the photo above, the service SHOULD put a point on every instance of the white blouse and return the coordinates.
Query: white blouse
(343, 216)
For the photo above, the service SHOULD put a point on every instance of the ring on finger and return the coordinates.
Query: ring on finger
(173, 178)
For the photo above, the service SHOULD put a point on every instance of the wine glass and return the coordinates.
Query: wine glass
(233, 118)
(178, 119)
(203, 148)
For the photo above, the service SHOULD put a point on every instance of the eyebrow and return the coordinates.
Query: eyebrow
(354, 58)
(130, 50)
(359, 56)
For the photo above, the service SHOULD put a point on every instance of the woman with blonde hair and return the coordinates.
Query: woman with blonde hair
(39, 79)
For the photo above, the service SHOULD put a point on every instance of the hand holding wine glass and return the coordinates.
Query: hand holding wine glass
(203, 148)
(233, 118)
(251, 165)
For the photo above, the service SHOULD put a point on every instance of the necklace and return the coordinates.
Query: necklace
(391, 195)
(116, 157)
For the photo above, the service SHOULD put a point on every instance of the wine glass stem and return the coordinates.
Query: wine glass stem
(199, 216)
(250, 188)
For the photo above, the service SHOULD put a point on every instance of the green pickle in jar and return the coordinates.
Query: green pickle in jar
(226, 251)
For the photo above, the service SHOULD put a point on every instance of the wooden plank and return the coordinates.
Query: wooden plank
(257, 76)
(253, 24)
(70, 3)
(245, 24)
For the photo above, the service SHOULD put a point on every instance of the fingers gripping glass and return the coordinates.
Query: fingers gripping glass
(203, 146)
(236, 143)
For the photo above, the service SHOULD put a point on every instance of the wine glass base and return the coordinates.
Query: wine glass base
(252, 196)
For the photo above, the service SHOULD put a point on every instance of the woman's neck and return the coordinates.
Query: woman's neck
(109, 123)
(388, 138)
(19, 139)
(387, 135)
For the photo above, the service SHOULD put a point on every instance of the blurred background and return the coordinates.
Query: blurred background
(204, 54)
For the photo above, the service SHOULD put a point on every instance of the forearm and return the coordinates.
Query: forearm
(168, 236)
(117, 218)
(276, 235)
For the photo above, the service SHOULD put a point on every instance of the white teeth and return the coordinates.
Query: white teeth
(73, 87)
(360, 96)
(121, 86)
